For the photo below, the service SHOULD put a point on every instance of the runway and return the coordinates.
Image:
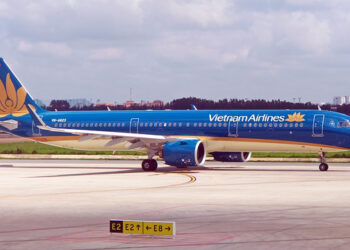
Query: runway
(63, 204)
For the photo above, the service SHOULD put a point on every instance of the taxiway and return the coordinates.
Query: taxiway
(57, 204)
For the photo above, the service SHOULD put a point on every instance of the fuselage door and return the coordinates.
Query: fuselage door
(317, 127)
(134, 125)
(233, 129)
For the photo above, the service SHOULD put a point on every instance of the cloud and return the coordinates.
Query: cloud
(180, 43)
(106, 54)
(47, 48)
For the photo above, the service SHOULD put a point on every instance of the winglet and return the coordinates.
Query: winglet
(193, 107)
(37, 120)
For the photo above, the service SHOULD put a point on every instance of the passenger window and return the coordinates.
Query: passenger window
(270, 125)
(210, 125)
(187, 124)
(180, 124)
(286, 125)
(220, 125)
(151, 124)
(146, 124)
(215, 124)
(244, 125)
(55, 125)
(69, 124)
(87, 124)
(301, 125)
(118, 124)
(290, 125)
(113, 124)
(281, 125)
(100, 125)
(141, 124)
(109, 124)
(225, 125)
(174, 124)
(250, 125)
(265, 125)
(82, 124)
(169, 124)
(155, 124)
(91, 124)
(296, 125)
(73, 125)
(123, 124)
(105, 124)
(260, 125)
(205, 124)
(64, 124)
(78, 125)
(255, 125)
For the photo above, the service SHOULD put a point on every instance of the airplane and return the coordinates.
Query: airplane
(182, 137)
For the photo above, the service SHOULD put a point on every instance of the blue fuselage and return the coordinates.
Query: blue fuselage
(311, 130)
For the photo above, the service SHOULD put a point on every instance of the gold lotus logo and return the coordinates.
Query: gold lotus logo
(296, 117)
(12, 101)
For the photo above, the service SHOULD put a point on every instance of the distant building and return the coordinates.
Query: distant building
(155, 103)
(347, 99)
(79, 102)
(130, 103)
(105, 104)
(340, 100)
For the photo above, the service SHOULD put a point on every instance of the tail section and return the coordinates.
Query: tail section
(14, 98)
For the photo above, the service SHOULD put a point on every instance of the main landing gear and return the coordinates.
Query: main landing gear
(149, 165)
(323, 166)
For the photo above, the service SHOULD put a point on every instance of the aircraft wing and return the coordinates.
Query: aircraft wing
(148, 141)
(136, 140)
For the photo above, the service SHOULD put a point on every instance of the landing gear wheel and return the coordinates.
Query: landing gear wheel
(323, 167)
(149, 165)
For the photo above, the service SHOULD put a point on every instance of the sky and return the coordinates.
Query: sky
(162, 49)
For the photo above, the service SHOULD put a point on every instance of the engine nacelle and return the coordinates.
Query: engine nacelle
(232, 156)
(184, 153)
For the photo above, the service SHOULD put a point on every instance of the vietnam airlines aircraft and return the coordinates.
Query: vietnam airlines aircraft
(182, 138)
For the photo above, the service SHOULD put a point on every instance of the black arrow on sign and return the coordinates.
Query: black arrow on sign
(148, 228)
(138, 227)
(168, 228)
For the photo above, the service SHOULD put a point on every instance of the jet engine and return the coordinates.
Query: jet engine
(184, 153)
(232, 156)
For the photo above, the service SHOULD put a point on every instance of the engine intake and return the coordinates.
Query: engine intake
(232, 156)
(184, 153)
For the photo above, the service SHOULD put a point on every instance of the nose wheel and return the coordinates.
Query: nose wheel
(323, 166)
(149, 165)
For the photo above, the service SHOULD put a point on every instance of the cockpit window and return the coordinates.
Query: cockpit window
(345, 124)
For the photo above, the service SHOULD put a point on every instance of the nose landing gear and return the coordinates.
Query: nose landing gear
(323, 166)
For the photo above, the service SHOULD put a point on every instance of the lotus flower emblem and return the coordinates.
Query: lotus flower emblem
(296, 117)
(12, 101)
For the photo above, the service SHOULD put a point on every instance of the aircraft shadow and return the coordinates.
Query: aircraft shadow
(169, 169)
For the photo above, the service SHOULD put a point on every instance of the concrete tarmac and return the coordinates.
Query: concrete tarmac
(62, 204)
